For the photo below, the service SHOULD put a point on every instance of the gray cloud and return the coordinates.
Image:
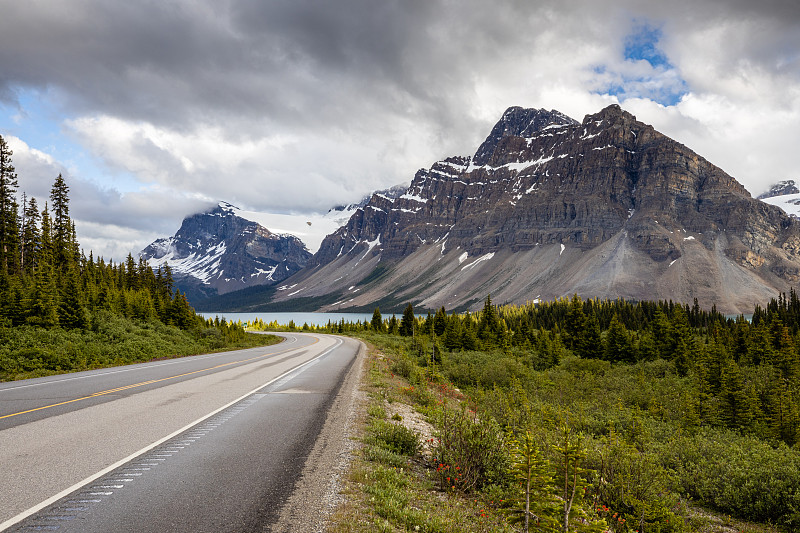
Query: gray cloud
(253, 101)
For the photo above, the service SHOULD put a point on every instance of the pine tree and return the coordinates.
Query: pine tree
(452, 333)
(407, 322)
(440, 322)
(738, 404)
(9, 231)
(71, 314)
(663, 335)
(31, 238)
(618, 346)
(489, 322)
(62, 225)
(41, 306)
(571, 454)
(377, 320)
(537, 508)
(574, 323)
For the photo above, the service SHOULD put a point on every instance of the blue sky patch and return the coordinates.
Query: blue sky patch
(657, 79)
(643, 45)
(40, 125)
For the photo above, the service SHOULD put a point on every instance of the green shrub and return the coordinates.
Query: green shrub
(394, 437)
(738, 475)
(469, 452)
(378, 454)
(403, 367)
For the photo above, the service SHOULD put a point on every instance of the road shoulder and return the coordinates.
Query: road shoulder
(316, 494)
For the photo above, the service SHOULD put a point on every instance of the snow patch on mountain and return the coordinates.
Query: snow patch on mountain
(790, 203)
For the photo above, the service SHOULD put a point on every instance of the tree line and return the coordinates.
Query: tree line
(744, 374)
(46, 280)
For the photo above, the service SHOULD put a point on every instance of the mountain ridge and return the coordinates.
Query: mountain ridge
(547, 207)
(218, 251)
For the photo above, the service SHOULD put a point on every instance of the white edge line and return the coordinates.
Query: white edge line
(36, 508)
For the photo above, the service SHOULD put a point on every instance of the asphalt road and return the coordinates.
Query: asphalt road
(209, 443)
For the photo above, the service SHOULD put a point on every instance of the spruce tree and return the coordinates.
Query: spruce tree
(31, 244)
(9, 231)
(440, 322)
(452, 333)
(618, 346)
(738, 403)
(71, 314)
(377, 320)
(407, 322)
(62, 230)
(574, 323)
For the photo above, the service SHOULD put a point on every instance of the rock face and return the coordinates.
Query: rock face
(548, 207)
(782, 188)
(219, 252)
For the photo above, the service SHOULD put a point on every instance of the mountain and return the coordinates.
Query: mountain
(547, 207)
(782, 188)
(785, 195)
(219, 252)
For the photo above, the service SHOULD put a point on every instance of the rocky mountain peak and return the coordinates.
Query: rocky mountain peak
(634, 214)
(518, 122)
(218, 251)
(781, 188)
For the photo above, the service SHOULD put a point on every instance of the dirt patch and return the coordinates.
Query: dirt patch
(413, 421)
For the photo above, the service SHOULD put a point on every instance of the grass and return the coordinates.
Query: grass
(393, 486)
(28, 352)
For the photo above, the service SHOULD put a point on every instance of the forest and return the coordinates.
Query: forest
(637, 414)
(63, 311)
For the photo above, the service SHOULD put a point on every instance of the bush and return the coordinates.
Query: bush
(469, 453)
(394, 437)
(739, 475)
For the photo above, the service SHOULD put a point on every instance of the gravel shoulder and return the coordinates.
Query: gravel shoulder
(317, 493)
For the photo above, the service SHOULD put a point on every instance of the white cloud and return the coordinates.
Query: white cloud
(299, 106)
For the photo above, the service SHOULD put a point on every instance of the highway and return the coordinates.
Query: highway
(210, 443)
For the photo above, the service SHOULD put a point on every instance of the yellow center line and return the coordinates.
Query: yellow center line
(109, 391)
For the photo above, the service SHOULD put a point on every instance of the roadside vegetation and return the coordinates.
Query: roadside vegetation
(580, 416)
(61, 311)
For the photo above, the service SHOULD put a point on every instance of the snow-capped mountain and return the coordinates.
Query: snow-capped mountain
(222, 251)
(782, 188)
(548, 207)
(785, 195)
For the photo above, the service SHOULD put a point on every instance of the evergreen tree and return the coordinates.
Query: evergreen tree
(574, 323)
(407, 322)
(31, 237)
(489, 322)
(377, 321)
(452, 333)
(71, 314)
(663, 335)
(9, 231)
(469, 339)
(618, 346)
(440, 322)
(738, 403)
(537, 508)
(41, 307)
(65, 253)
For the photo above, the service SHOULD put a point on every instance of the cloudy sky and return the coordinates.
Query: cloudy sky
(155, 109)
